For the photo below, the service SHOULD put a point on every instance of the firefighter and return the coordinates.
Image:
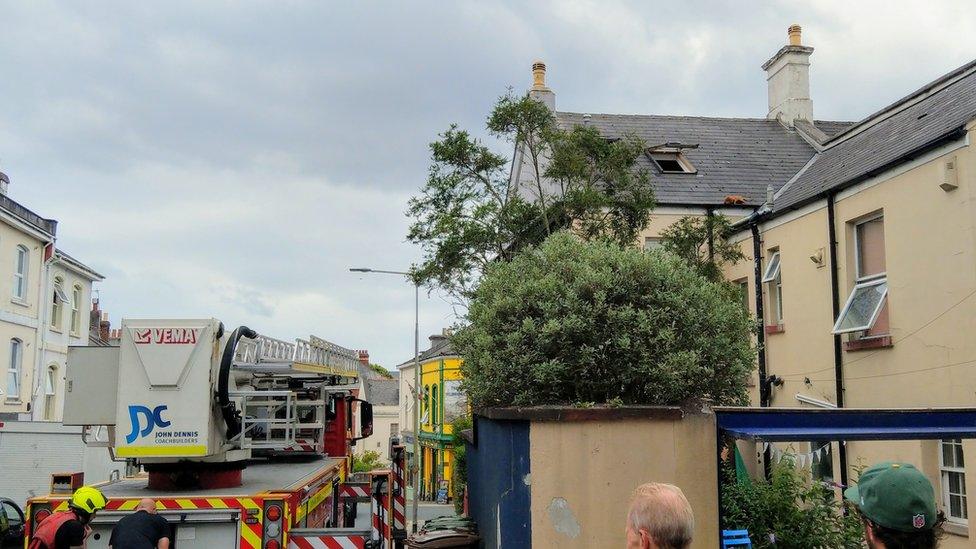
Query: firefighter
(69, 529)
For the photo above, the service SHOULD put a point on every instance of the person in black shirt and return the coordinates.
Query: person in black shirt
(143, 529)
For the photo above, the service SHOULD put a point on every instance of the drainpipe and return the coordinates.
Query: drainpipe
(761, 332)
(835, 306)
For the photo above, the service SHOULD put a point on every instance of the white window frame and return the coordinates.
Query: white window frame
(862, 281)
(20, 275)
(773, 276)
(874, 281)
(76, 294)
(59, 298)
(50, 392)
(652, 243)
(14, 369)
(944, 471)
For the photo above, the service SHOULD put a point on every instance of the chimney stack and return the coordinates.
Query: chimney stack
(4, 181)
(539, 91)
(788, 81)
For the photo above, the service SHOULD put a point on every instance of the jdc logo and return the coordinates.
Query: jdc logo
(153, 419)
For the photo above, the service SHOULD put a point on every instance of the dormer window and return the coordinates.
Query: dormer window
(669, 159)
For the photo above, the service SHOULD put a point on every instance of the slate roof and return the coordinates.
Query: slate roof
(383, 392)
(931, 115)
(440, 347)
(735, 156)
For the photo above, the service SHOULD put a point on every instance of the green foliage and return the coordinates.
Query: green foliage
(599, 186)
(380, 370)
(366, 462)
(581, 322)
(798, 512)
(459, 476)
(688, 239)
(470, 213)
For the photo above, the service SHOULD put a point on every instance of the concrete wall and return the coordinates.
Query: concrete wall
(583, 475)
(499, 478)
(930, 252)
(32, 450)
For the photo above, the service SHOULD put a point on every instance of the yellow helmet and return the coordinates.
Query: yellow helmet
(88, 499)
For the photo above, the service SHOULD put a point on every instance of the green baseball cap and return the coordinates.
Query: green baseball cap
(896, 496)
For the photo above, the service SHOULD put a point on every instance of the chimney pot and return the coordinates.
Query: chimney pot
(538, 75)
(794, 33)
(539, 91)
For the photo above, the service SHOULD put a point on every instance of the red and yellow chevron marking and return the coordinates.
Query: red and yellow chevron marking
(250, 533)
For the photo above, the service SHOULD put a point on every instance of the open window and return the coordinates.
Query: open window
(866, 311)
(668, 158)
(672, 162)
(774, 279)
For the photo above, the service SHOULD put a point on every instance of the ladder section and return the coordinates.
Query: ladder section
(314, 355)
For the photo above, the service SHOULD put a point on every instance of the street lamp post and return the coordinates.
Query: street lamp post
(415, 466)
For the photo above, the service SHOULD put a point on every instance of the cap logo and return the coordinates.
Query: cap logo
(918, 521)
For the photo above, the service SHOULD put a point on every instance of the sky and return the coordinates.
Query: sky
(235, 159)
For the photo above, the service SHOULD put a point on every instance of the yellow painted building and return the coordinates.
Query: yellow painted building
(440, 377)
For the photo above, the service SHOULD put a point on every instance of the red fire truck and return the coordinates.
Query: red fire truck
(242, 440)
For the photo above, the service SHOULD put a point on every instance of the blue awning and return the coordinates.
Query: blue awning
(805, 424)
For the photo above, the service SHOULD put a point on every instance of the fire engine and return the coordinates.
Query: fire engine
(241, 439)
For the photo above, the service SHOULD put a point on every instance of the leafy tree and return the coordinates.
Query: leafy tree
(380, 370)
(574, 321)
(700, 242)
(470, 213)
(366, 462)
(790, 511)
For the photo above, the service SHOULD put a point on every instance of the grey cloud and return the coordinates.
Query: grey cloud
(234, 159)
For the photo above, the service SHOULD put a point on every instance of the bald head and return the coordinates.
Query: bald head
(663, 512)
(147, 505)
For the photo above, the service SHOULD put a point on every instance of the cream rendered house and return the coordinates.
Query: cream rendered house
(44, 303)
(860, 241)
(69, 294)
(867, 280)
(701, 165)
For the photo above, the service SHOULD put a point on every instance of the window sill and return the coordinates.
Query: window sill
(956, 529)
(18, 301)
(865, 344)
(775, 329)
(56, 330)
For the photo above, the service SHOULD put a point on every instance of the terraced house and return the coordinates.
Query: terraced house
(441, 403)
(860, 240)
(46, 299)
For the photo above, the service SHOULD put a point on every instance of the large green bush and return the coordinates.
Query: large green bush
(590, 322)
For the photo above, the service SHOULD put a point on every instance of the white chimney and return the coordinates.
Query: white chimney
(788, 79)
(539, 91)
(4, 181)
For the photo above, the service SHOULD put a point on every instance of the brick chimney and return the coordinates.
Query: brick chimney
(104, 327)
(539, 91)
(788, 81)
(363, 357)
